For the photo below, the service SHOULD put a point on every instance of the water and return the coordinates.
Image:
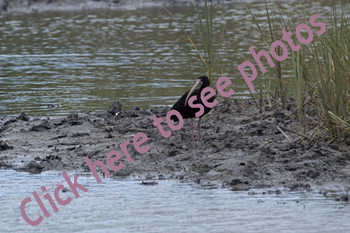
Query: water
(86, 60)
(170, 206)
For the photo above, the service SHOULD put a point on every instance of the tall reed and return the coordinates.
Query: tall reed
(322, 73)
(210, 56)
(277, 68)
(330, 71)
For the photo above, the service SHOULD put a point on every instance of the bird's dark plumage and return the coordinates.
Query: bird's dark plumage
(185, 110)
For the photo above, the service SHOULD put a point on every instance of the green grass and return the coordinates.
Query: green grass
(277, 68)
(329, 70)
(321, 73)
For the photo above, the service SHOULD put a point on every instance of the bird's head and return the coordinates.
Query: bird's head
(202, 81)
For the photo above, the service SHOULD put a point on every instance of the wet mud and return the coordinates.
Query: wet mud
(240, 149)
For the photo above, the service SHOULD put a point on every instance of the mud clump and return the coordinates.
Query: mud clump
(5, 146)
(44, 125)
(6, 165)
(52, 162)
(23, 117)
(115, 108)
(31, 167)
(240, 147)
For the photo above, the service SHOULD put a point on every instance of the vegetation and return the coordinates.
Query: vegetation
(321, 75)
(321, 70)
(210, 56)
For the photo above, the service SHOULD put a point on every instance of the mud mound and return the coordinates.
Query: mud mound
(240, 147)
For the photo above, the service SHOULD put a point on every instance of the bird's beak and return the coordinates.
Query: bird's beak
(193, 88)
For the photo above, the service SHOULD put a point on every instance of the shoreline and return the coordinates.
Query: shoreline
(240, 149)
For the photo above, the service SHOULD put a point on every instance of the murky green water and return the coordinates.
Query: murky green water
(170, 206)
(86, 60)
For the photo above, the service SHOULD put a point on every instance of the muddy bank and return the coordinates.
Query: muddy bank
(34, 6)
(240, 148)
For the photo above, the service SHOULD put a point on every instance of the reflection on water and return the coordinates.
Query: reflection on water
(170, 206)
(84, 61)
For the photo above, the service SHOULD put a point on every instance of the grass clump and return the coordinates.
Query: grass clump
(329, 70)
(321, 75)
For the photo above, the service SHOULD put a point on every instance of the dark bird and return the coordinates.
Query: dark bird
(186, 111)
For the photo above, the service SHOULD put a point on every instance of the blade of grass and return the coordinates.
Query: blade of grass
(187, 37)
